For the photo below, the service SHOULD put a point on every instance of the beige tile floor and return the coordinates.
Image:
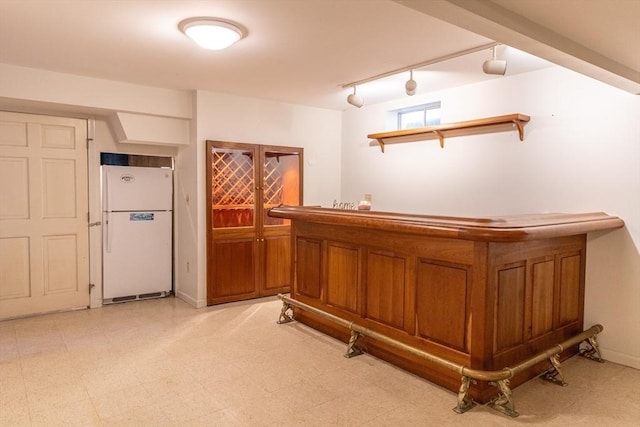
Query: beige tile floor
(163, 363)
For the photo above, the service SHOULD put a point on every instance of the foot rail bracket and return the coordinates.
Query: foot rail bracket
(503, 402)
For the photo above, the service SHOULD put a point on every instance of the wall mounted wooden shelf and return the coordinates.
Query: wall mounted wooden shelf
(470, 127)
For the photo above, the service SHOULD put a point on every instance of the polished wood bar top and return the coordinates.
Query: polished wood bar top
(512, 228)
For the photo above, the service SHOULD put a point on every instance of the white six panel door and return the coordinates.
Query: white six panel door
(44, 261)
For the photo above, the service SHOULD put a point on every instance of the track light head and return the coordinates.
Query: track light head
(410, 86)
(354, 99)
(495, 66)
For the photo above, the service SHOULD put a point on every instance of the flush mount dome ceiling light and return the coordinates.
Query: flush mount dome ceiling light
(212, 33)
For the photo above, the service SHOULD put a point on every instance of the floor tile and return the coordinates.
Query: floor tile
(163, 363)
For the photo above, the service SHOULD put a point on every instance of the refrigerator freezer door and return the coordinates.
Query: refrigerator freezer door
(130, 188)
(137, 253)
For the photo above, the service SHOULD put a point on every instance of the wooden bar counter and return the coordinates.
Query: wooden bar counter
(486, 293)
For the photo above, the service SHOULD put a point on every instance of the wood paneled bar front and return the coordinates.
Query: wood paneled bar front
(485, 293)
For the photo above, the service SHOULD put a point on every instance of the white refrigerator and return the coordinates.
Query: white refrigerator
(137, 256)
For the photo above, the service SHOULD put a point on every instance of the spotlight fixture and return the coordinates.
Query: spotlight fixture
(495, 66)
(354, 99)
(212, 33)
(410, 86)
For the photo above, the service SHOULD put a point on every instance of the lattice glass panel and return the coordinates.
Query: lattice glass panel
(272, 185)
(272, 189)
(233, 189)
(281, 182)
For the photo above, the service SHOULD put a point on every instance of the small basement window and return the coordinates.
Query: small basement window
(419, 116)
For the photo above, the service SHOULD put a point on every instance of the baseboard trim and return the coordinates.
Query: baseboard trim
(190, 300)
(620, 358)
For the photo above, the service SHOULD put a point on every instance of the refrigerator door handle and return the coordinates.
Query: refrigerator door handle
(107, 233)
(106, 190)
(107, 197)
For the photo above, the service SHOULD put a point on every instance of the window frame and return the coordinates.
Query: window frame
(436, 105)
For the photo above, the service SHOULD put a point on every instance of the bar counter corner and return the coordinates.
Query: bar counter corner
(485, 293)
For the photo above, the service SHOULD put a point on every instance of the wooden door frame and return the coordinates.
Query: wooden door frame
(258, 235)
(264, 232)
(247, 232)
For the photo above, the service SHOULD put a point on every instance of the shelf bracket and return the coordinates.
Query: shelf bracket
(440, 137)
(520, 127)
(381, 144)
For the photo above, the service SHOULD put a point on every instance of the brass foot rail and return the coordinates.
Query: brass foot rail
(503, 402)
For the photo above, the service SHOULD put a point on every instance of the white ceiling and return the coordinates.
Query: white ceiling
(303, 51)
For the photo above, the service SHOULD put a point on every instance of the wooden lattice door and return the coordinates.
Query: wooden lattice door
(248, 252)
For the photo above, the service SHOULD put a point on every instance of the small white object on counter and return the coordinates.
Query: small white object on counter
(364, 205)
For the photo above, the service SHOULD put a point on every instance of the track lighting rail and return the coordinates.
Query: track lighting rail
(421, 64)
(470, 127)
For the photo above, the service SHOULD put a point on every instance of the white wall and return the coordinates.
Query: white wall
(45, 92)
(581, 153)
(213, 116)
(85, 94)
(188, 253)
(225, 117)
